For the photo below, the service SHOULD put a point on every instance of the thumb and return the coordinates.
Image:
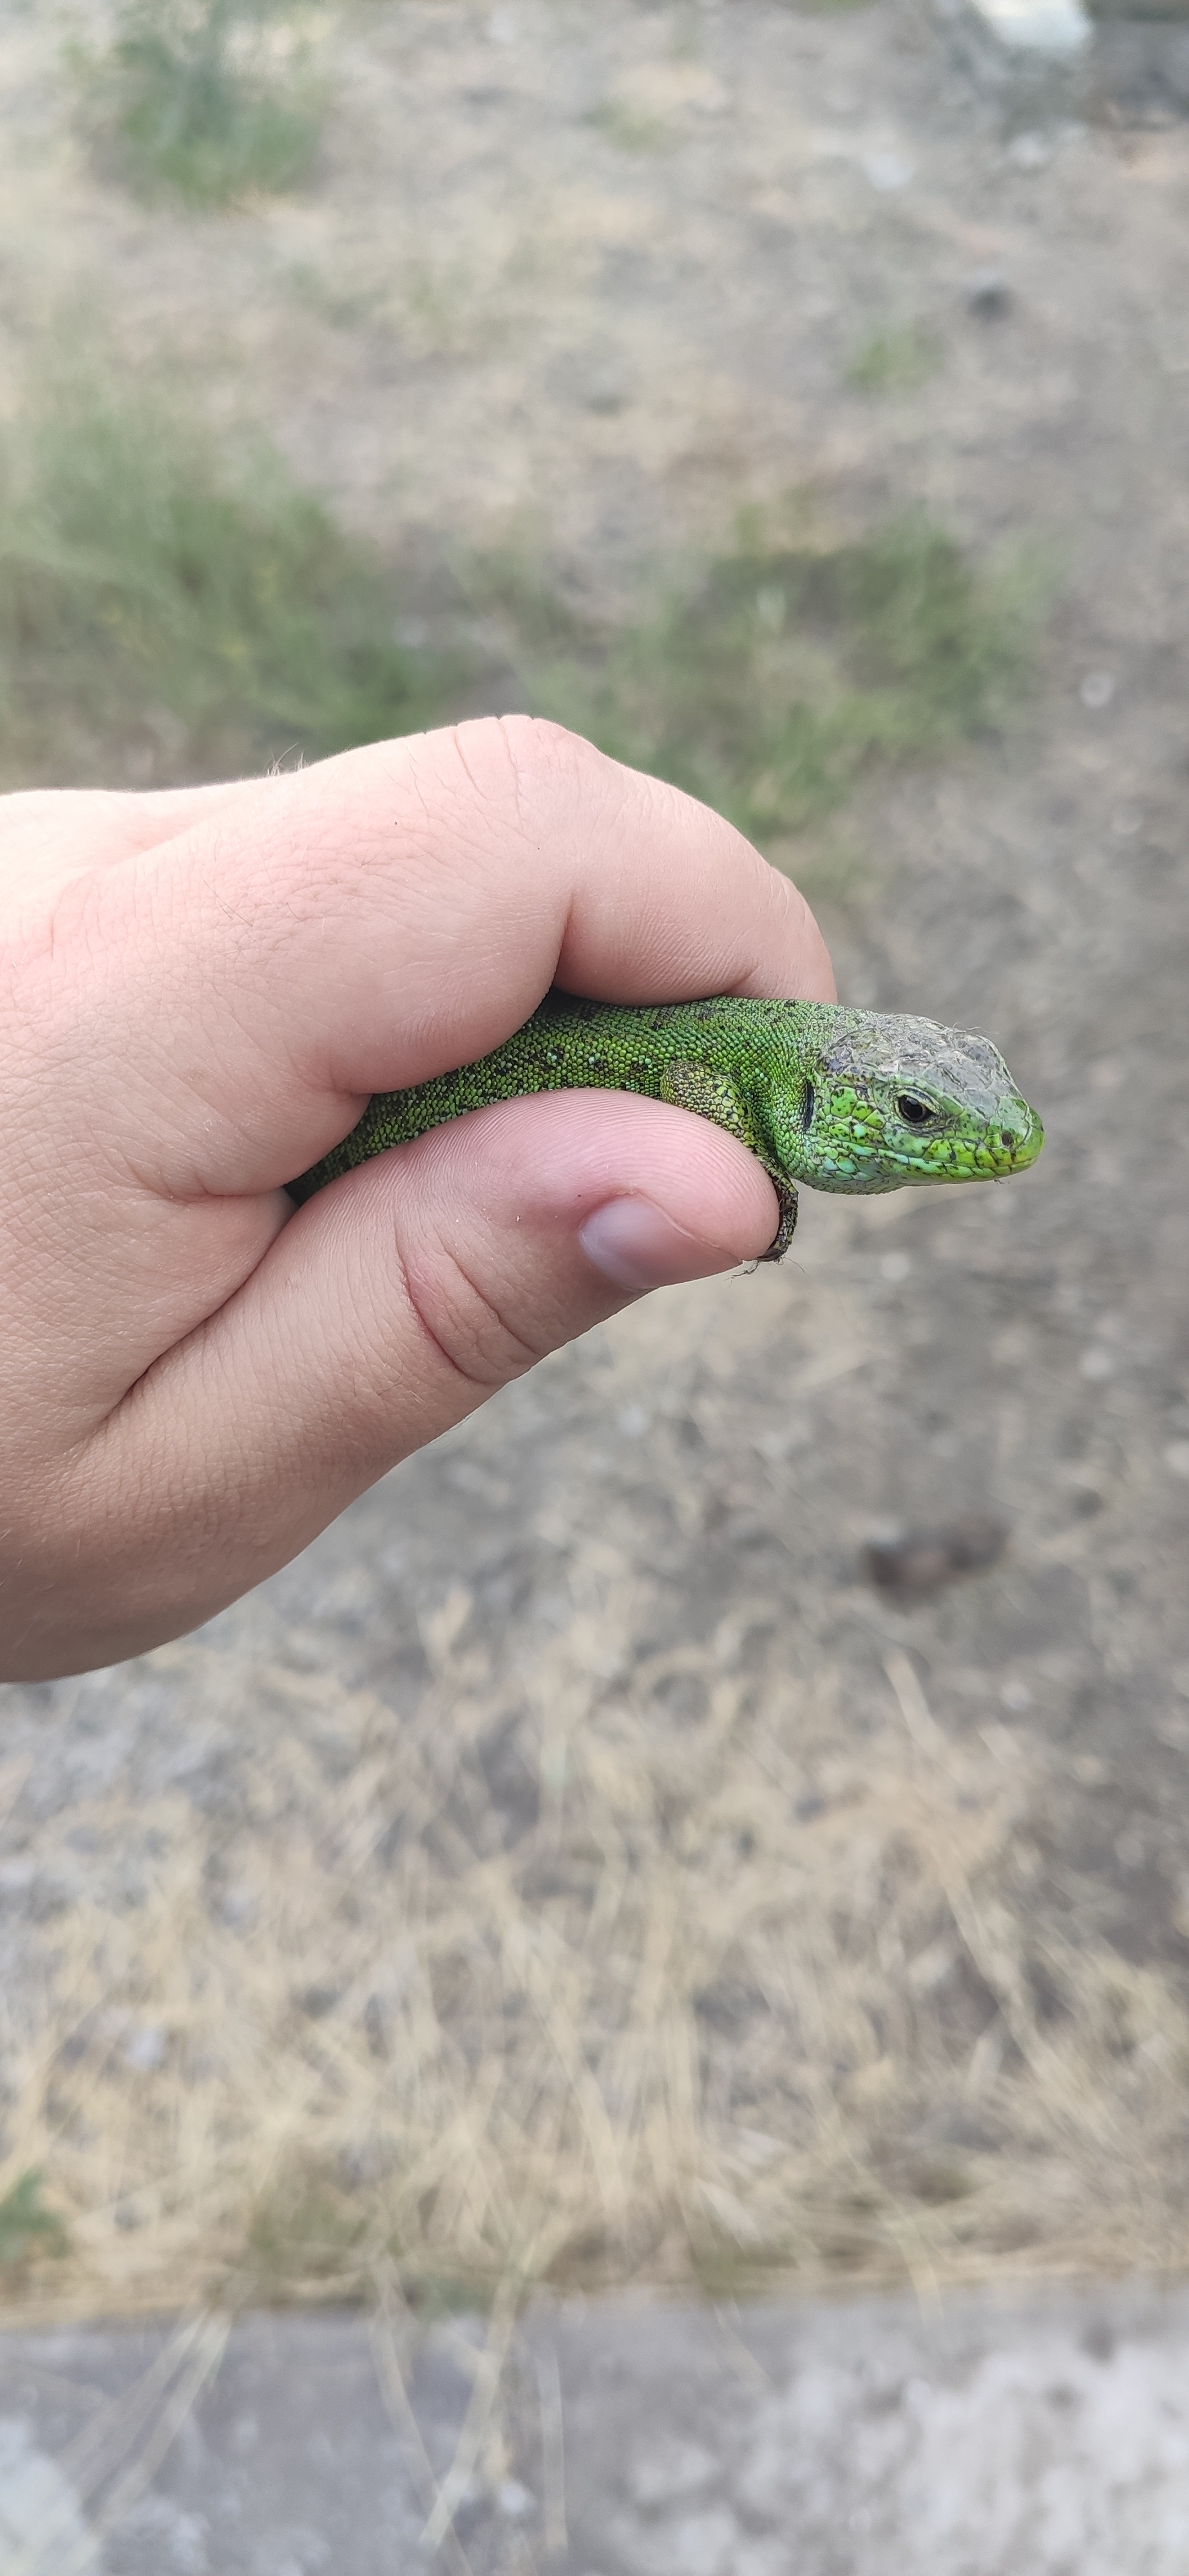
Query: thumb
(389, 1307)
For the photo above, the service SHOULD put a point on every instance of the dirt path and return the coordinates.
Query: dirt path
(574, 1862)
(633, 2439)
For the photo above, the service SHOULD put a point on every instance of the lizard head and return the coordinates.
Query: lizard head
(895, 1101)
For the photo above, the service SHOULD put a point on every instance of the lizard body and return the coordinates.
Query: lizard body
(840, 1099)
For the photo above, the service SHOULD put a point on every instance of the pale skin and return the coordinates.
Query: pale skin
(202, 988)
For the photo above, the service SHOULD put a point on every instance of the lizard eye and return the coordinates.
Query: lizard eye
(914, 1112)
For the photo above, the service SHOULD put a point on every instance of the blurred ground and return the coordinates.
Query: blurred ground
(621, 2441)
(573, 1867)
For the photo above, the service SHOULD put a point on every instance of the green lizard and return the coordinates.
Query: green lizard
(840, 1099)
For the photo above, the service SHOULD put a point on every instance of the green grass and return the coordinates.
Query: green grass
(895, 360)
(27, 2229)
(778, 674)
(192, 100)
(630, 129)
(166, 613)
(169, 611)
(302, 2232)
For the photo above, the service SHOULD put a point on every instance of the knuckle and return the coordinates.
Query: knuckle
(536, 741)
(546, 758)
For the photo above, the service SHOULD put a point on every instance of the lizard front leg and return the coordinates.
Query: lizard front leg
(787, 1199)
(713, 1095)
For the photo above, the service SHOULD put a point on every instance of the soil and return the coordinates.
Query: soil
(601, 278)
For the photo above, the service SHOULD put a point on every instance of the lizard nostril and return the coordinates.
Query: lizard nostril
(1006, 1138)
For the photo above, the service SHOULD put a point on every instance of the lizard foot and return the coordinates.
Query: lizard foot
(786, 1229)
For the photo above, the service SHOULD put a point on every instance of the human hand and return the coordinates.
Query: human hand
(203, 988)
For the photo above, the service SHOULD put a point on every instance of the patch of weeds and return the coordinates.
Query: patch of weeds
(310, 2235)
(895, 360)
(346, 308)
(725, 2270)
(169, 612)
(435, 2297)
(166, 613)
(780, 673)
(305, 2233)
(207, 100)
(27, 2229)
(630, 128)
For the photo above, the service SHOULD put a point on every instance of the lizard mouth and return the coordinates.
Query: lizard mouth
(1024, 1149)
(1011, 1148)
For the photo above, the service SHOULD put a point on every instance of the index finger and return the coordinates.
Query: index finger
(390, 914)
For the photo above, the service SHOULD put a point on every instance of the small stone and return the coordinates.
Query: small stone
(145, 2050)
(1096, 1364)
(317, 2001)
(888, 171)
(606, 394)
(921, 1561)
(988, 296)
(515, 2500)
(1030, 152)
(1097, 690)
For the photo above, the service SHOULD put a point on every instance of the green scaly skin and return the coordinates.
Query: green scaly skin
(843, 1100)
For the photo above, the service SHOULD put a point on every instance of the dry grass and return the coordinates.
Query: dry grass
(696, 1995)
